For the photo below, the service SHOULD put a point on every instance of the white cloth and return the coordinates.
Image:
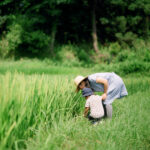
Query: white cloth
(94, 102)
(116, 86)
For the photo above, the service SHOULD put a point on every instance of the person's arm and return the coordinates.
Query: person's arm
(86, 111)
(105, 83)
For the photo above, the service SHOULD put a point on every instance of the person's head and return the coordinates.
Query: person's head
(81, 82)
(86, 92)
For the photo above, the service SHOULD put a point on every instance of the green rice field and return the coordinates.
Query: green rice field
(41, 111)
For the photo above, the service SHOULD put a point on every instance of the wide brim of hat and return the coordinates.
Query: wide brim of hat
(77, 89)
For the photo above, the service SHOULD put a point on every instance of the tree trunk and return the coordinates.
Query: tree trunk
(53, 35)
(147, 26)
(94, 32)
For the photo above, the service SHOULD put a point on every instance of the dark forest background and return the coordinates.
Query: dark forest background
(88, 30)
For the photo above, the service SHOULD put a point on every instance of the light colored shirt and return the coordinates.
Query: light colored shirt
(116, 86)
(97, 87)
(94, 102)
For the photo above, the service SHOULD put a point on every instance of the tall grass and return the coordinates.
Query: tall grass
(38, 67)
(50, 67)
(30, 101)
(43, 112)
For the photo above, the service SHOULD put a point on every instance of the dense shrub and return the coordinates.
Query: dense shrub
(134, 66)
(122, 56)
(126, 39)
(139, 44)
(147, 56)
(34, 43)
(11, 41)
(18, 41)
(67, 55)
(114, 48)
(83, 56)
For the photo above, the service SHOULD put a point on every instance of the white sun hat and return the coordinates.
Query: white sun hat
(78, 80)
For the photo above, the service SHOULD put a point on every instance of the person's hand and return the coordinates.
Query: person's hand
(104, 96)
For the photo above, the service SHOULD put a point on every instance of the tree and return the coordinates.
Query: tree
(54, 11)
(94, 29)
(144, 8)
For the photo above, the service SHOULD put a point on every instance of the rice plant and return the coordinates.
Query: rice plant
(42, 112)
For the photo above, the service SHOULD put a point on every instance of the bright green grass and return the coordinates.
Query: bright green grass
(38, 67)
(42, 112)
(133, 68)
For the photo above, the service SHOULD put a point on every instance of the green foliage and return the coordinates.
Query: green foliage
(83, 56)
(67, 55)
(114, 48)
(38, 26)
(40, 112)
(147, 56)
(35, 66)
(122, 23)
(134, 20)
(11, 41)
(139, 44)
(129, 65)
(59, 1)
(104, 20)
(5, 2)
(126, 38)
(37, 42)
(2, 20)
(142, 5)
(14, 36)
(134, 66)
(122, 56)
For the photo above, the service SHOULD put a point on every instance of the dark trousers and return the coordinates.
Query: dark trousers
(94, 120)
